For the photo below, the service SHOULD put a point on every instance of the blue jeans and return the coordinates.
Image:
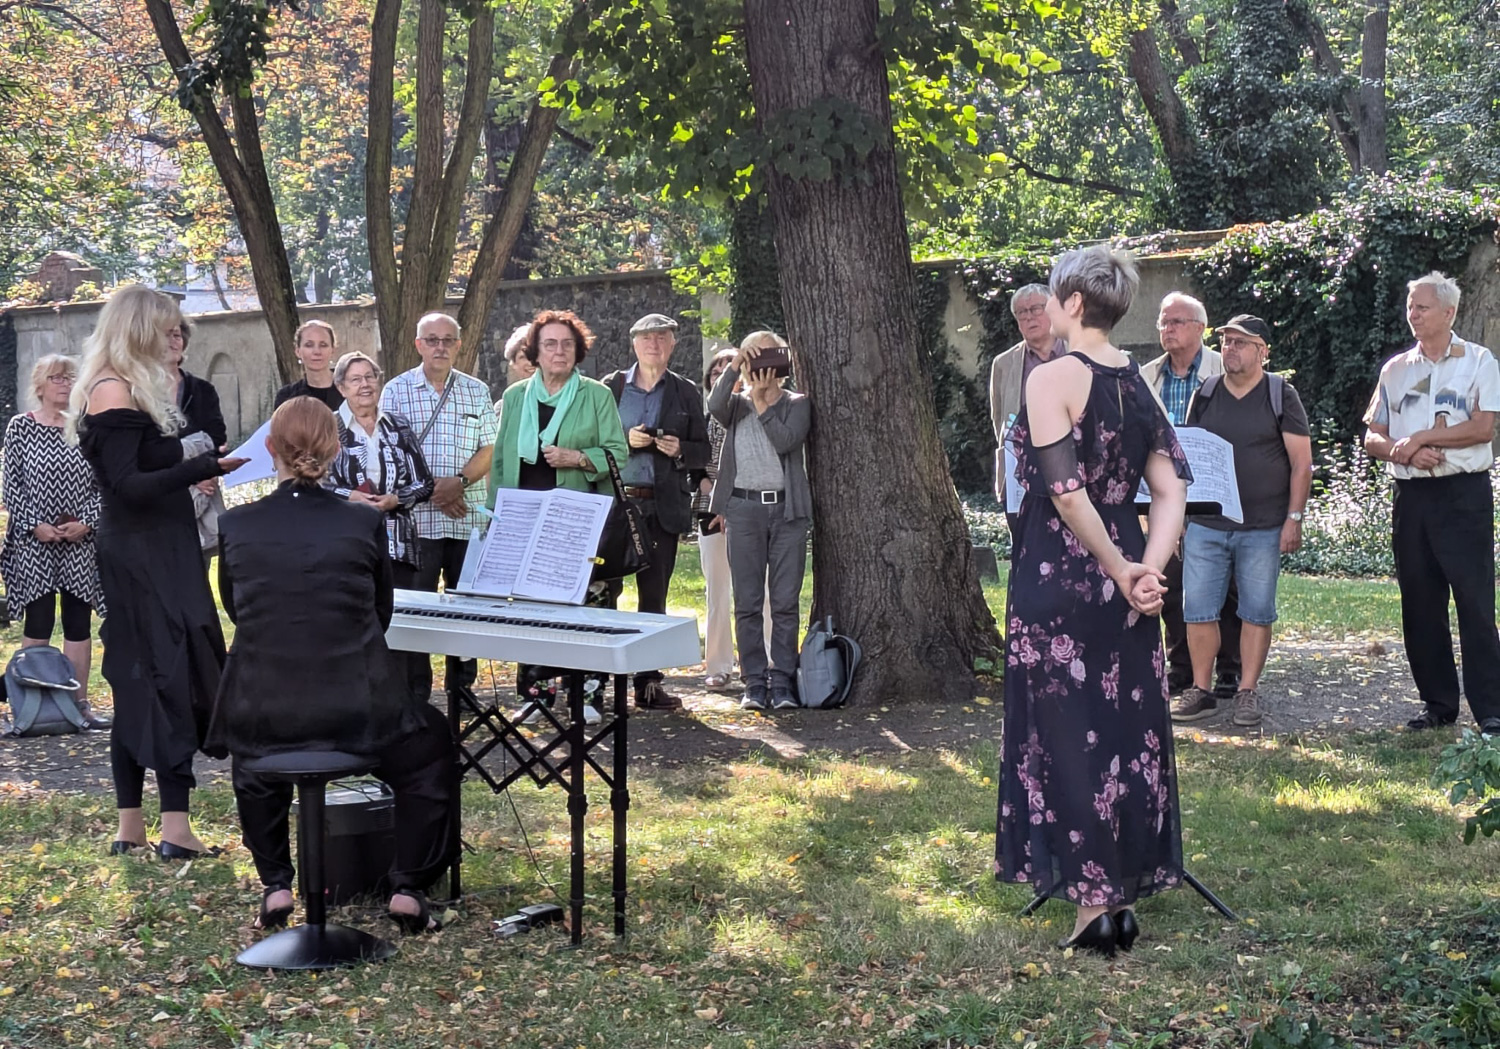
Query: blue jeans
(1210, 555)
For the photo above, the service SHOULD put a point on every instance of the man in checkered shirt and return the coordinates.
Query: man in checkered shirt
(452, 413)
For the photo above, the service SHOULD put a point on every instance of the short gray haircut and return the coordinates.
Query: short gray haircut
(52, 364)
(348, 360)
(1106, 278)
(516, 344)
(1181, 298)
(433, 318)
(1443, 286)
(1026, 291)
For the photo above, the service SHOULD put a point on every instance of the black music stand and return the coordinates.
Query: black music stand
(1202, 890)
(562, 760)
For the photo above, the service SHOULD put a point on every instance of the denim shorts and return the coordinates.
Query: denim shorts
(1210, 555)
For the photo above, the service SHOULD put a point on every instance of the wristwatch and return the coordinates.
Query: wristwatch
(1295, 515)
(463, 480)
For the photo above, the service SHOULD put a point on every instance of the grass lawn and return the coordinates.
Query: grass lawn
(826, 901)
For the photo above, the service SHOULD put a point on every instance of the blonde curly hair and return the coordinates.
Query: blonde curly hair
(130, 341)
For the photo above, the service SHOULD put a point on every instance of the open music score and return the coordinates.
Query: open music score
(539, 546)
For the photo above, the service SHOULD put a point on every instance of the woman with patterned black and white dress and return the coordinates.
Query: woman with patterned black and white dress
(53, 506)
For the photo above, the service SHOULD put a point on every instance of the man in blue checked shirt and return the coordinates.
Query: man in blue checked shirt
(453, 415)
(1175, 376)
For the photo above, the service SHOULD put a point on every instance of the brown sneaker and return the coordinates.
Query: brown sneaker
(1194, 705)
(651, 696)
(1247, 712)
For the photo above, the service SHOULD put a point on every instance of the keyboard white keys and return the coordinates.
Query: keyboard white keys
(598, 639)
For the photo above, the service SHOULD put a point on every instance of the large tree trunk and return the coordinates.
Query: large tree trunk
(1174, 127)
(1344, 122)
(1372, 149)
(242, 170)
(891, 555)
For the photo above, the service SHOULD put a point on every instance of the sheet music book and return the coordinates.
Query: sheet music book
(539, 546)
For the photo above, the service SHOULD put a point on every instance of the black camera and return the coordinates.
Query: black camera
(775, 359)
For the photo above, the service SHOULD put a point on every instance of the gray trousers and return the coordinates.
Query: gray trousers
(767, 556)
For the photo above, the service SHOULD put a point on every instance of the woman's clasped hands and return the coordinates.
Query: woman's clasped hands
(1143, 586)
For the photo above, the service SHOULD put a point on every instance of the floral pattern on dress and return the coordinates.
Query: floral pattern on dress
(1088, 794)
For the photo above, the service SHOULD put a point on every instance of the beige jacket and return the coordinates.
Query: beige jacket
(1005, 401)
(1212, 364)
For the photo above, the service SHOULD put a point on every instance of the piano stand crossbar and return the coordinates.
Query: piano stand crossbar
(490, 729)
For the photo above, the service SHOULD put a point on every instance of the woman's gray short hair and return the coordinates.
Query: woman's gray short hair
(51, 364)
(1106, 278)
(341, 369)
(1027, 291)
(1443, 286)
(516, 344)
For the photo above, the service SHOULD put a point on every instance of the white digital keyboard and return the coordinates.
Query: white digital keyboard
(576, 638)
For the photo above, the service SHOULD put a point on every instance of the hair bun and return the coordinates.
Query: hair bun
(309, 467)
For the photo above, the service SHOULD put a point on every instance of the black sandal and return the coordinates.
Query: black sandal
(270, 919)
(422, 921)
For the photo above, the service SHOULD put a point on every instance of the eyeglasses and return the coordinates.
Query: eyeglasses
(60, 378)
(1232, 343)
(1030, 311)
(558, 344)
(1176, 322)
(432, 342)
(360, 380)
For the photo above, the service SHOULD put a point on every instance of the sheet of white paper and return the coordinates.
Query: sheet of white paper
(259, 467)
(518, 514)
(559, 563)
(1212, 461)
(1013, 490)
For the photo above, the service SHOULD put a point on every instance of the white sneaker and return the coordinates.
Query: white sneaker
(530, 714)
(590, 715)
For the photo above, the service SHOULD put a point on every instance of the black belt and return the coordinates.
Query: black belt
(637, 492)
(768, 498)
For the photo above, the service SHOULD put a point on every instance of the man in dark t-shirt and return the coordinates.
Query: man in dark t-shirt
(1262, 418)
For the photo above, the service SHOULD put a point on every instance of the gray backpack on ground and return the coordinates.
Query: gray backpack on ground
(825, 669)
(41, 684)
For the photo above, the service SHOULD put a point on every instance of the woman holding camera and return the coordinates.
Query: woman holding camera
(765, 498)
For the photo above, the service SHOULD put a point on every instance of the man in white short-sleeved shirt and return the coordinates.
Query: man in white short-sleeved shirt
(1432, 420)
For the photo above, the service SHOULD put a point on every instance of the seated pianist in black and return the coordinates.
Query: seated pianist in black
(306, 577)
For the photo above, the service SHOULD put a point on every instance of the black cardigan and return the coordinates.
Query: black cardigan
(306, 578)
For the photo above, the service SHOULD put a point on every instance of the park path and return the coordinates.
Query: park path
(1311, 688)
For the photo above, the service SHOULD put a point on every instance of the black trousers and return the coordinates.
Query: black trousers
(422, 772)
(1179, 661)
(651, 584)
(441, 559)
(1443, 538)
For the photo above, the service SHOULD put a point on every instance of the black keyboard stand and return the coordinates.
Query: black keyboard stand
(561, 759)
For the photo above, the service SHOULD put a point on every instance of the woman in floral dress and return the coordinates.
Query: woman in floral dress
(1088, 786)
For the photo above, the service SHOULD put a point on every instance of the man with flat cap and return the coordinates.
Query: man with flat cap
(1262, 418)
(667, 431)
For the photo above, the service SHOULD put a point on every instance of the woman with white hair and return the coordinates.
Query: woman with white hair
(1088, 785)
(163, 647)
(53, 507)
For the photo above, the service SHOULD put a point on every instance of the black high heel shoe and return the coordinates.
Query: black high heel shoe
(167, 851)
(1126, 929)
(422, 921)
(1098, 935)
(122, 848)
(268, 918)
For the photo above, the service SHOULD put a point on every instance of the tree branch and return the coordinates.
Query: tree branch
(1065, 180)
(379, 226)
(1343, 123)
(1177, 29)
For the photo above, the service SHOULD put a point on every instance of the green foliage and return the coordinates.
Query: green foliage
(1347, 530)
(1265, 150)
(755, 288)
(1446, 983)
(1468, 769)
(987, 525)
(990, 282)
(961, 403)
(1291, 1032)
(1332, 284)
(238, 32)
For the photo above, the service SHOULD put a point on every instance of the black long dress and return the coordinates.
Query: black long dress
(163, 647)
(1088, 782)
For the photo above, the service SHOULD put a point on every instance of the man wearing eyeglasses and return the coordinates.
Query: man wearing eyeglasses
(1261, 416)
(455, 420)
(1175, 376)
(1008, 375)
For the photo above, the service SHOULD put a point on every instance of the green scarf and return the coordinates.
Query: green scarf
(528, 438)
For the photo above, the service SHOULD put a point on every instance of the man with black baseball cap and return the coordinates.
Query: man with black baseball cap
(667, 430)
(1262, 418)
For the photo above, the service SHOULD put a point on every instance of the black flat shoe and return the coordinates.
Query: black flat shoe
(270, 919)
(167, 851)
(1126, 929)
(1427, 720)
(422, 921)
(122, 848)
(1098, 935)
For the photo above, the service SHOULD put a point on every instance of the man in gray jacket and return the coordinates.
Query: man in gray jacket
(1174, 377)
(763, 493)
(1008, 375)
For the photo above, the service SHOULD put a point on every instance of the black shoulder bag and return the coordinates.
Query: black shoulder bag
(624, 548)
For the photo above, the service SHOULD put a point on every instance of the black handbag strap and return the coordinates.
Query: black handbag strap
(431, 422)
(614, 475)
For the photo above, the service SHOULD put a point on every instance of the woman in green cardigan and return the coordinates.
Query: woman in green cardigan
(554, 430)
